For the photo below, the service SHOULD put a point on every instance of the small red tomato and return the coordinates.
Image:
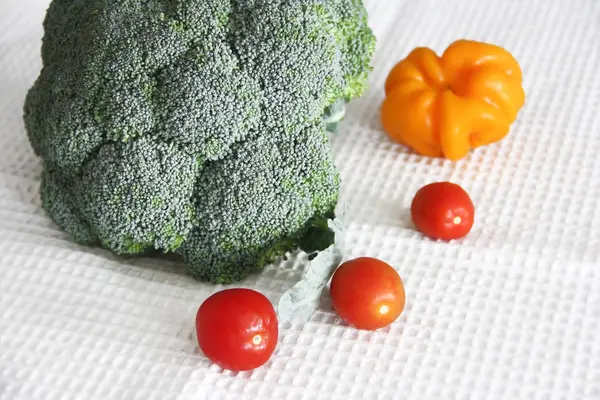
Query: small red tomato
(443, 210)
(237, 329)
(367, 293)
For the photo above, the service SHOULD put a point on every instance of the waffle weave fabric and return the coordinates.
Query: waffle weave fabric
(510, 312)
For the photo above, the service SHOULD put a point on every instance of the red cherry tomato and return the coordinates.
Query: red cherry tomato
(237, 329)
(367, 293)
(443, 210)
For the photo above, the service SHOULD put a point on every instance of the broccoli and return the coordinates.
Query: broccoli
(199, 127)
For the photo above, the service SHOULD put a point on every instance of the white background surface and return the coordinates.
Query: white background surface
(511, 312)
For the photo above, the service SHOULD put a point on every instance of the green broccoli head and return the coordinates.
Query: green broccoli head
(198, 126)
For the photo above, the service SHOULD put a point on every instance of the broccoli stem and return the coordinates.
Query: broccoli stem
(333, 115)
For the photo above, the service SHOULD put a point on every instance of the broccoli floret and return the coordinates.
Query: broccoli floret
(198, 127)
(138, 195)
(270, 186)
(58, 201)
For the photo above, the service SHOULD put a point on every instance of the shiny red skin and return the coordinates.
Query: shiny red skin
(360, 287)
(435, 208)
(228, 324)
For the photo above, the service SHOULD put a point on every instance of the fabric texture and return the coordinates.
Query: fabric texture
(510, 312)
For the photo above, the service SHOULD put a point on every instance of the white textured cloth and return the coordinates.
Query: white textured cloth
(510, 312)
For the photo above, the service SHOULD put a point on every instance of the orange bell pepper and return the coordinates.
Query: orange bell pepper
(445, 106)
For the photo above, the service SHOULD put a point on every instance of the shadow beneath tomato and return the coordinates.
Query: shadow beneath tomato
(193, 340)
(325, 303)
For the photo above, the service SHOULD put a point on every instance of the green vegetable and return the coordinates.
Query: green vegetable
(198, 127)
(301, 300)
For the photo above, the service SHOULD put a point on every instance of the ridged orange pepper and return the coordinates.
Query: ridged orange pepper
(445, 106)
